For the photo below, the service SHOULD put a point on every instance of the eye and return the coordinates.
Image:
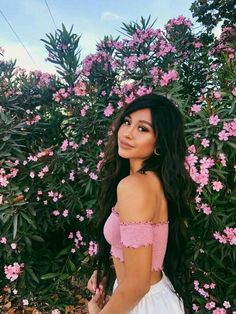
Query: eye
(142, 129)
(126, 121)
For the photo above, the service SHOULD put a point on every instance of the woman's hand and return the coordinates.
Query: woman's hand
(97, 302)
(92, 283)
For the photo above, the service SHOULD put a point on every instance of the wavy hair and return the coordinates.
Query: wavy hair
(170, 167)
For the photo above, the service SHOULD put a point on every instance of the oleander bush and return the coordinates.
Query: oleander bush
(53, 132)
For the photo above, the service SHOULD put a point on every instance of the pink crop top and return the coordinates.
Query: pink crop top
(136, 234)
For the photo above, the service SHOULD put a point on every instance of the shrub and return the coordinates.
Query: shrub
(54, 130)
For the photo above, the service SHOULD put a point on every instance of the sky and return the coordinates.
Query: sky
(31, 21)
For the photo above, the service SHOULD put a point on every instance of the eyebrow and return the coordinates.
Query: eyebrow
(142, 121)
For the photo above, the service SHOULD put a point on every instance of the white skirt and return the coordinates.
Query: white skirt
(160, 299)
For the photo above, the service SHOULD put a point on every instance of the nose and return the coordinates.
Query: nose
(129, 133)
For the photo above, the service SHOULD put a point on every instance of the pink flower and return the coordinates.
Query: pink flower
(86, 170)
(217, 186)
(195, 307)
(3, 180)
(13, 246)
(223, 135)
(210, 305)
(219, 237)
(212, 285)
(89, 212)
(41, 174)
(197, 44)
(226, 304)
(196, 284)
(219, 311)
(65, 213)
(206, 163)
(64, 145)
(181, 20)
(231, 235)
(191, 159)
(74, 146)
(93, 176)
(192, 149)
(56, 311)
(3, 240)
(171, 75)
(143, 57)
(45, 169)
(130, 62)
(25, 302)
(216, 95)
(70, 236)
(222, 159)
(214, 120)
(108, 110)
(56, 213)
(120, 104)
(12, 272)
(234, 91)
(205, 143)
(80, 89)
(72, 176)
(99, 142)
(142, 90)
(206, 209)
(83, 111)
(195, 108)
(85, 139)
(93, 248)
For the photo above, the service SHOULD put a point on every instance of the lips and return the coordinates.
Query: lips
(125, 144)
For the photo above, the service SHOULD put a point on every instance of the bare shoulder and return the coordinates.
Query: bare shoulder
(135, 198)
(135, 180)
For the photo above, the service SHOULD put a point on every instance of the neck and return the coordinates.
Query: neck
(135, 165)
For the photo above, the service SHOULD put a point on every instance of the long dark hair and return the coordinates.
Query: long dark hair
(169, 166)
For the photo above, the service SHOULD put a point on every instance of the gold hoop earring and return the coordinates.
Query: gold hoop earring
(155, 152)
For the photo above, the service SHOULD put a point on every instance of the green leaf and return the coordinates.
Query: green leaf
(15, 224)
(49, 276)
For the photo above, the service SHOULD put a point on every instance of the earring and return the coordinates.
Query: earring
(155, 152)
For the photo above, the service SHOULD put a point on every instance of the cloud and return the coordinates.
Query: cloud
(15, 51)
(107, 15)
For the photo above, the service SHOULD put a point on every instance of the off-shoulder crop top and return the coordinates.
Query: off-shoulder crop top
(136, 234)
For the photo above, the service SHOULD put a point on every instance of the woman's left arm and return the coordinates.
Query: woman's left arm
(133, 203)
(135, 284)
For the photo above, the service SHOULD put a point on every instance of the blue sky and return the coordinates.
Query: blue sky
(91, 18)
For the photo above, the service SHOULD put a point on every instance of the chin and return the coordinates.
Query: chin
(123, 154)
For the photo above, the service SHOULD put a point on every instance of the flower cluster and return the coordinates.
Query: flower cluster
(77, 240)
(181, 20)
(61, 94)
(5, 177)
(229, 236)
(13, 271)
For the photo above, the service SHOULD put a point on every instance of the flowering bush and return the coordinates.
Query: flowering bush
(54, 132)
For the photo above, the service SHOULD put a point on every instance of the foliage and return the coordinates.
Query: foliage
(211, 12)
(53, 135)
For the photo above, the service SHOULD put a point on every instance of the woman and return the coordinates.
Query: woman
(145, 200)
